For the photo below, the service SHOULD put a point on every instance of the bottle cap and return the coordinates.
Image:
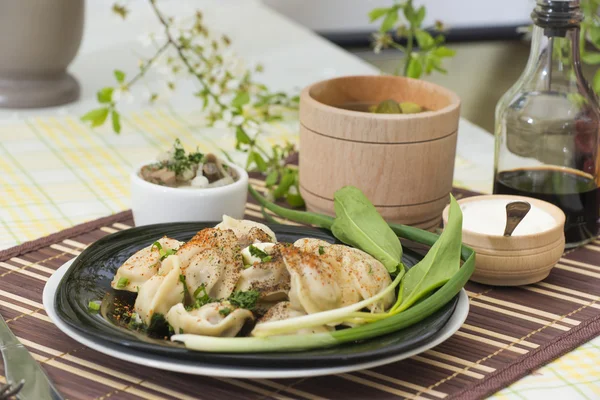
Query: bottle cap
(557, 14)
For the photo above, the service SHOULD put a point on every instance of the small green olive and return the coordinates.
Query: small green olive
(409, 107)
(388, 107)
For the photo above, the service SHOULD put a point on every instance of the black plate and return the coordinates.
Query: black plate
(88, 279)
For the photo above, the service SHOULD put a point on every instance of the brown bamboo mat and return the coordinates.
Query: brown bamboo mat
(509, 333)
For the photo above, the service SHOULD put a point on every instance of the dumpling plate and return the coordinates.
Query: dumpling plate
(88, 278)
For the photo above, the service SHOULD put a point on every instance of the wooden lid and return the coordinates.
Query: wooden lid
(320, 112)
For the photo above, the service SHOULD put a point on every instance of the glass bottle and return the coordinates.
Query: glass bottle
(547, 125)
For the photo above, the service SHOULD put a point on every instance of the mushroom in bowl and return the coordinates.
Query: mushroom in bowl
(182, 186)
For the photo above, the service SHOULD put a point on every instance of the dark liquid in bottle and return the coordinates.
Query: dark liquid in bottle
(573, 192)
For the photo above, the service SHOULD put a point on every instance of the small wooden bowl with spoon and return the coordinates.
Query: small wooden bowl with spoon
(517, 240)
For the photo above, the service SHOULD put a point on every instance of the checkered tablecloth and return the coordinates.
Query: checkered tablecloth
(56, 172)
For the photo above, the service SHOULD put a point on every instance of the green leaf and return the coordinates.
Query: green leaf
(287, 180)
(419, 16)
(594, 31)
(424, 39)
(358, 224)
(591, 58)
(240, 100)
(272, 178)
(596, 82)
(119, 75)
(390, 20)
(242, 137)
(295, 200)
(105, 95)
(258, 160)
(443, 51)
(409, 13)
(377, 13)
(440, 263)
(116, 121)
(415, 68)
(97, 116)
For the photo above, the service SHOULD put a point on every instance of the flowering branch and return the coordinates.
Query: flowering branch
(228, 93)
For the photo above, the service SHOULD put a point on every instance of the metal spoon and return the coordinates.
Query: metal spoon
(515, 212)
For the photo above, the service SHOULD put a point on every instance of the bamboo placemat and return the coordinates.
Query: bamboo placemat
(509, 333)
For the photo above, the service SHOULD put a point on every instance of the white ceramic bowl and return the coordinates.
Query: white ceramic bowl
(153, 204)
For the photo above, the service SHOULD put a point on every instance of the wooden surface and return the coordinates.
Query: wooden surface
(509, 333)
(389, 156)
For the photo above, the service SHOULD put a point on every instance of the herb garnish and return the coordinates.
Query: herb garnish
(162, 252)
(180, 161)
(201, 298)
(321, 250)
(225, 311)
(94, 306)
(122, 282)
(256, 252)
(246, 300)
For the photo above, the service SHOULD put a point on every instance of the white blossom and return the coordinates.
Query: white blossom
(237, 120)
(122, 95)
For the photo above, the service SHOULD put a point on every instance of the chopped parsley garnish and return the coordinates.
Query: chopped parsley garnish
(181, 331)
(245, 299)
(134, 323)
(94, 306)
(181, 161)
(158, 323)
(321, 250)
(370, 269)
(162, 252)
(182, 280)
(201, 297)
(123, 282)
(256, 252)
(225, 311)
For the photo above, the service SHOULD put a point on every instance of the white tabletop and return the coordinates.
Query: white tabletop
(292, 55)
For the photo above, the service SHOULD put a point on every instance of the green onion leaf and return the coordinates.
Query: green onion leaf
(94, 306)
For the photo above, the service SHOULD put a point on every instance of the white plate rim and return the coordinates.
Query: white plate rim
(190, 367)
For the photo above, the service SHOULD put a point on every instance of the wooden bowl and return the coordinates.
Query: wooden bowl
(403, 163)
(515, 260)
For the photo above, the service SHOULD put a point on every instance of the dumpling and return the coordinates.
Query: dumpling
(247, 231)
(311, 245)
(270, 278)
(213, 319)
(141, 266)
(205, 239)
(360, 275)
(313, 285)
(159, 293)
(212, 259)
(369, 276)
(284, 310)
(323, 250)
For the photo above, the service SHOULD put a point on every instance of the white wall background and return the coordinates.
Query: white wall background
(338, 16)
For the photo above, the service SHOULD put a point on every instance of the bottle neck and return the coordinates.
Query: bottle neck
(554, 63)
